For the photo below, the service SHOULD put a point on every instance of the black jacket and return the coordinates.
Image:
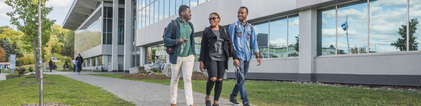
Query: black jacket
(208, 40)
(50, 63)
(80, 60)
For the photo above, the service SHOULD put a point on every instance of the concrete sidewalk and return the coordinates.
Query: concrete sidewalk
(3, 76)
(141, 93)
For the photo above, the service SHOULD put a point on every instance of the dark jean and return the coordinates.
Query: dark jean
(239, 85)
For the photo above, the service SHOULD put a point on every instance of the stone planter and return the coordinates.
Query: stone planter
(20, 73)
(30, 70)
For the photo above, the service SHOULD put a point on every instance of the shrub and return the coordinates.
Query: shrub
(19, 63)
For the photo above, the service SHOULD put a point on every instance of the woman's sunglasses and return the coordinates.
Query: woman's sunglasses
(214, 18)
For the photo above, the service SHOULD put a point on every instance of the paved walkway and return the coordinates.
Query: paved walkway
(140, 93)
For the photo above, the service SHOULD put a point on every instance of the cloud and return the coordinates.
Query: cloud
(389, 3)
(279, 42)
(59, 3)
(352, 33)
(324, 22)
(4, 8)
(294, 22)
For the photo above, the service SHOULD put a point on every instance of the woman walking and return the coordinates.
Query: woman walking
(216, 49)
(6, 68)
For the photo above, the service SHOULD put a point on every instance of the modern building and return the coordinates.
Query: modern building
(338, 41)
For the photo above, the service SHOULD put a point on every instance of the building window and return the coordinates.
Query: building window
(121, 26)
(156, 11)
(157, 50)
(197, 46)
(161, 9)
(201, 1)
(261, 30)
(414, 14)
(193, 3)
(293, 36)
(178, 3)
(172, 7)
(387, 28)
(100, 61)
(278, 38)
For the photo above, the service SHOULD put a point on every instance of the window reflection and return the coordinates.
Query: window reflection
(88, 38)
(293, 33)
(386, 18)
(157, 50)
(261, 31)
(352, 39)
(193, 3)
(278, 38)
(197, 46)
(415, 13)
(328, 31)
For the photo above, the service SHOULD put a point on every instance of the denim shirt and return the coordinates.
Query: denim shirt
(242, 40)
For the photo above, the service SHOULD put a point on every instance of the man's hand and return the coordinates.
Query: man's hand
(180, 41)
(258, 62)
(236, 62)
(202, 66)
(258, 59)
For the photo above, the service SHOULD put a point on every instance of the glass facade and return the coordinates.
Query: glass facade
(151, 11)
(278, 38)
(415, 13)
(385, 31)
(157, 50)
(107, 26)
(88, 38)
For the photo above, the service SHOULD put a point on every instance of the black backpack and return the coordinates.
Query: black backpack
(171, 49)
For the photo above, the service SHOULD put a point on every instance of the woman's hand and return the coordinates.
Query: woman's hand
(202, 66)
(236, 62)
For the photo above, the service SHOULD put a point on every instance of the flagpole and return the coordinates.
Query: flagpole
(347, 40)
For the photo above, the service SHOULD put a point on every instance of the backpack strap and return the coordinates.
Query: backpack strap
(174, 28)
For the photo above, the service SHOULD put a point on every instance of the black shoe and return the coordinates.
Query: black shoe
(208, 103)
(215, 104)
(247, 104)
(234, 101)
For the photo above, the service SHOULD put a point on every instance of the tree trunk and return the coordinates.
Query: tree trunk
(36, 59)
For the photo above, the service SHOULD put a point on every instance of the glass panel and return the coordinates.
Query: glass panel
(261, 31)
(201, 1)
(109, 12)
(140, 4)
(172, 7)
(161, 9)
(167, 8)
(147, 16)
(386, 19)
(156, 11)
(139, 19)
(193, 3)
(415, 14)
(104, 38)
(186, 2)
(109, 25)
(120, 32)
(100, 61)
(152, 12)
(178, 4)
(109, 38)
(328, 31)
(86, 39)
(157, 50)
(278, 38)
(93, 61)
(352, 40)
(293, 32)
(197, 46)
(144, 17)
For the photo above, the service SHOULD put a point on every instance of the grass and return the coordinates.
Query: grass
(65, 90)
(269, 93)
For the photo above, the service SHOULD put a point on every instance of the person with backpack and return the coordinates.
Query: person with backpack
(79, 60)
(179, 42)
(243, 36)
(216, 49)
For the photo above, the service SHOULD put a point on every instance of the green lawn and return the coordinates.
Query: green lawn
(269, 93)
(65, 90)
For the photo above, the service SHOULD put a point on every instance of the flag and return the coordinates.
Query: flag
(345, 26)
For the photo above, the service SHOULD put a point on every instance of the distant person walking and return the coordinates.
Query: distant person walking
(1, 68)
(6, 68)
(74, 62)
(50, 64)
(79, 60)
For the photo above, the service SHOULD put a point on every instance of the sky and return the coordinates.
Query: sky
(60, 10)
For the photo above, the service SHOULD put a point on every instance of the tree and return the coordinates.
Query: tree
(7, 47)
(26, 11)
(53, 46)
(63, 36)
(297, 45)
(1, 28)
(11, 34)
(2, 55)
(16, 50)
(401, 43)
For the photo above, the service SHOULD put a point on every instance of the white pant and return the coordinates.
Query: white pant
(186, 65)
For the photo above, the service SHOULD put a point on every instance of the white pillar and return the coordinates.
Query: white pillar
(128, 35)
(96, 61)
(114, 53)
(105, 62)
(142, 56)
(308, 43)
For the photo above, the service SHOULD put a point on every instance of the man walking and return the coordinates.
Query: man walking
(183, 57)
(243, 35)
(50, 64)
(74, 62)
(79, 60)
